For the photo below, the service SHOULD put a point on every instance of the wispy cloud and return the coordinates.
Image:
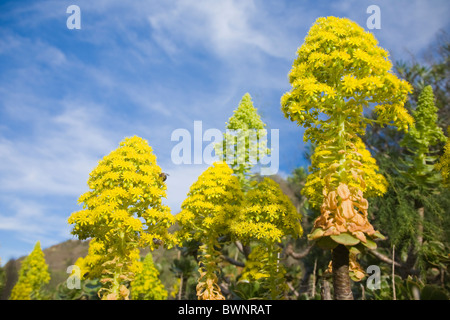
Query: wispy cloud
(67, 98)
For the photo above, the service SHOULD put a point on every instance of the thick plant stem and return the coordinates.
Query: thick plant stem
(325, 291)
(341, 277)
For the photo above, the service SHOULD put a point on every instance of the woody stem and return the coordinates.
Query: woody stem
(341, 278)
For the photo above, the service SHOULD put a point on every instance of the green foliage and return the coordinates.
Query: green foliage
(263, 276)
(413, 212)
(146, 284)
(397, 215)
(184, 268)
(88, 291)
(444, 162)
(246, 290)
(33, 276)
(425, 132)
(2, 278)
(410, 288)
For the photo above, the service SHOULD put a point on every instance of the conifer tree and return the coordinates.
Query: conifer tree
(146, 285)
(339, 72)
(124, 211)
(33, 276)
(213, 200)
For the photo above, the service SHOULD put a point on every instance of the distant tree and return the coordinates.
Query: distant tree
(146, 284)
(212, 202)
(33, 276)
(123, 212)
(340, 71)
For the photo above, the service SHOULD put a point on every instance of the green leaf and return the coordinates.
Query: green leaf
(432, 292)
(370, 244)
(316, 234)
(346, 239)
(378, 235)
(326, 243)
(357, 249)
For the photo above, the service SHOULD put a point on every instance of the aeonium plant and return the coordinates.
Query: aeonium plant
(339, 72)
(212, 202)
(123, 212)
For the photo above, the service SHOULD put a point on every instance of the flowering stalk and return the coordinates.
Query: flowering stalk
(213, 200)
(123, 211)
(146, 285)
(244, 142)
(267, 217)
(33, 276)
(339, 71)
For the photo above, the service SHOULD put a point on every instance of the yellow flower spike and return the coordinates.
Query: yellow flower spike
(213, 200)
(147, 285)
(125, 197)
(343, 171)
(33, 276)
(267, 217)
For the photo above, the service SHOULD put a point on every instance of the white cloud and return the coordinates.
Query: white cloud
(225, 28)
(31, 218)
(68, 109)
(64, 148)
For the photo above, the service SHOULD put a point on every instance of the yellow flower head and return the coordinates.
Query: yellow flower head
(213, 200)
(123, 211)
(339, 72)
(126, 196)
(267, 215)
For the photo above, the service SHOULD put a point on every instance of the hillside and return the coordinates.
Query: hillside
(62, 255)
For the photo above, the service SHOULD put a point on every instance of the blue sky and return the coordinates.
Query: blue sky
(146, 68)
